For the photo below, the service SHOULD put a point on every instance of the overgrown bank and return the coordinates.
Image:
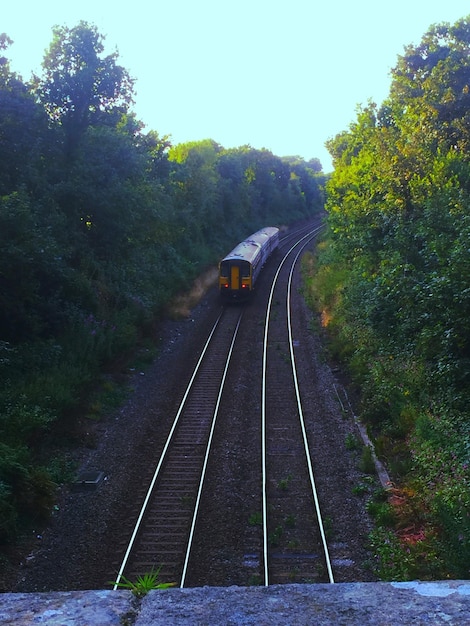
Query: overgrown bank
(392, 283)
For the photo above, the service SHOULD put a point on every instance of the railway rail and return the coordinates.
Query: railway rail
(162, 534)
(286, 455)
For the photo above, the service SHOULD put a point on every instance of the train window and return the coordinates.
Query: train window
(224, 269)
(245, 270)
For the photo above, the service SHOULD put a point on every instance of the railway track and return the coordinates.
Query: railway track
(294, 539)
(234, 497)
(161, 538)
(279, 535)
(101, 536)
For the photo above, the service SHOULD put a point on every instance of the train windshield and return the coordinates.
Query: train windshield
(225, 269)
(245, 268)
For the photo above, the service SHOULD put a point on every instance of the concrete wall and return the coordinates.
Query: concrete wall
(343, 604)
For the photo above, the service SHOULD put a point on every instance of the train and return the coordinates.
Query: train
(239, 270)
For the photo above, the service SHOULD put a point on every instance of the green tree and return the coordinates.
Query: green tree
(25, 139)
(79, 86)
(197, 190)
(435, 77)
(32, 269)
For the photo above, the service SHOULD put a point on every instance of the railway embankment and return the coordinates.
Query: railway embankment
(351, 604)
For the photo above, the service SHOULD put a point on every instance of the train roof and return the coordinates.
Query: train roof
(249, 249)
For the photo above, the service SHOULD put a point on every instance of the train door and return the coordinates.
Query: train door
(235, 277)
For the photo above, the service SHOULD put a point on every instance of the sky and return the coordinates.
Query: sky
(281, 75)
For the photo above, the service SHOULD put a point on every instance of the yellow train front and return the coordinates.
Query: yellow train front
(239, 270)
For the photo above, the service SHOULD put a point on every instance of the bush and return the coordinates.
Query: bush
(8, 514)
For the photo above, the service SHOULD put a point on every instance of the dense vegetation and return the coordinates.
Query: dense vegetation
(393, 283)
(101, 224)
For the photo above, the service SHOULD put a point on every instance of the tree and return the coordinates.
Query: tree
(79, 87)
(23, 131)
(32, 270)
(5, 41)
(435, 77)
(197, 189)
(398, 211)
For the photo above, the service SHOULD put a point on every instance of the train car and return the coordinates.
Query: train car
(239, 270)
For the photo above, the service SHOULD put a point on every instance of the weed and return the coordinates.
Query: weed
(143, 584)
(284, 483)
(351, 442)
(367, 463)
(275, 537)
(254, 580)
(360, 489)
(328, 527)
(107, 397)
(255, 519)
(290, 521)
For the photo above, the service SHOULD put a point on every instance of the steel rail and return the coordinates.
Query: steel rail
(206, 457)
(163, 455)
(302, 421)
(309, 236)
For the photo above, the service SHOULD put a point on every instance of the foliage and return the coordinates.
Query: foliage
(392, 283)
(399, 561)
(79, 87)
(101, 226)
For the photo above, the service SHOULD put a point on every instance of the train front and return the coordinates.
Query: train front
(235, 278)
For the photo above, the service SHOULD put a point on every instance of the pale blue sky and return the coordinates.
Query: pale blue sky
(285, 76)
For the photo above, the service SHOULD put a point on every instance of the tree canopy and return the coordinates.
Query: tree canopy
(79, 86)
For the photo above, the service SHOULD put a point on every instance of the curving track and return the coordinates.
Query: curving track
(290, 496)
(276, 486)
